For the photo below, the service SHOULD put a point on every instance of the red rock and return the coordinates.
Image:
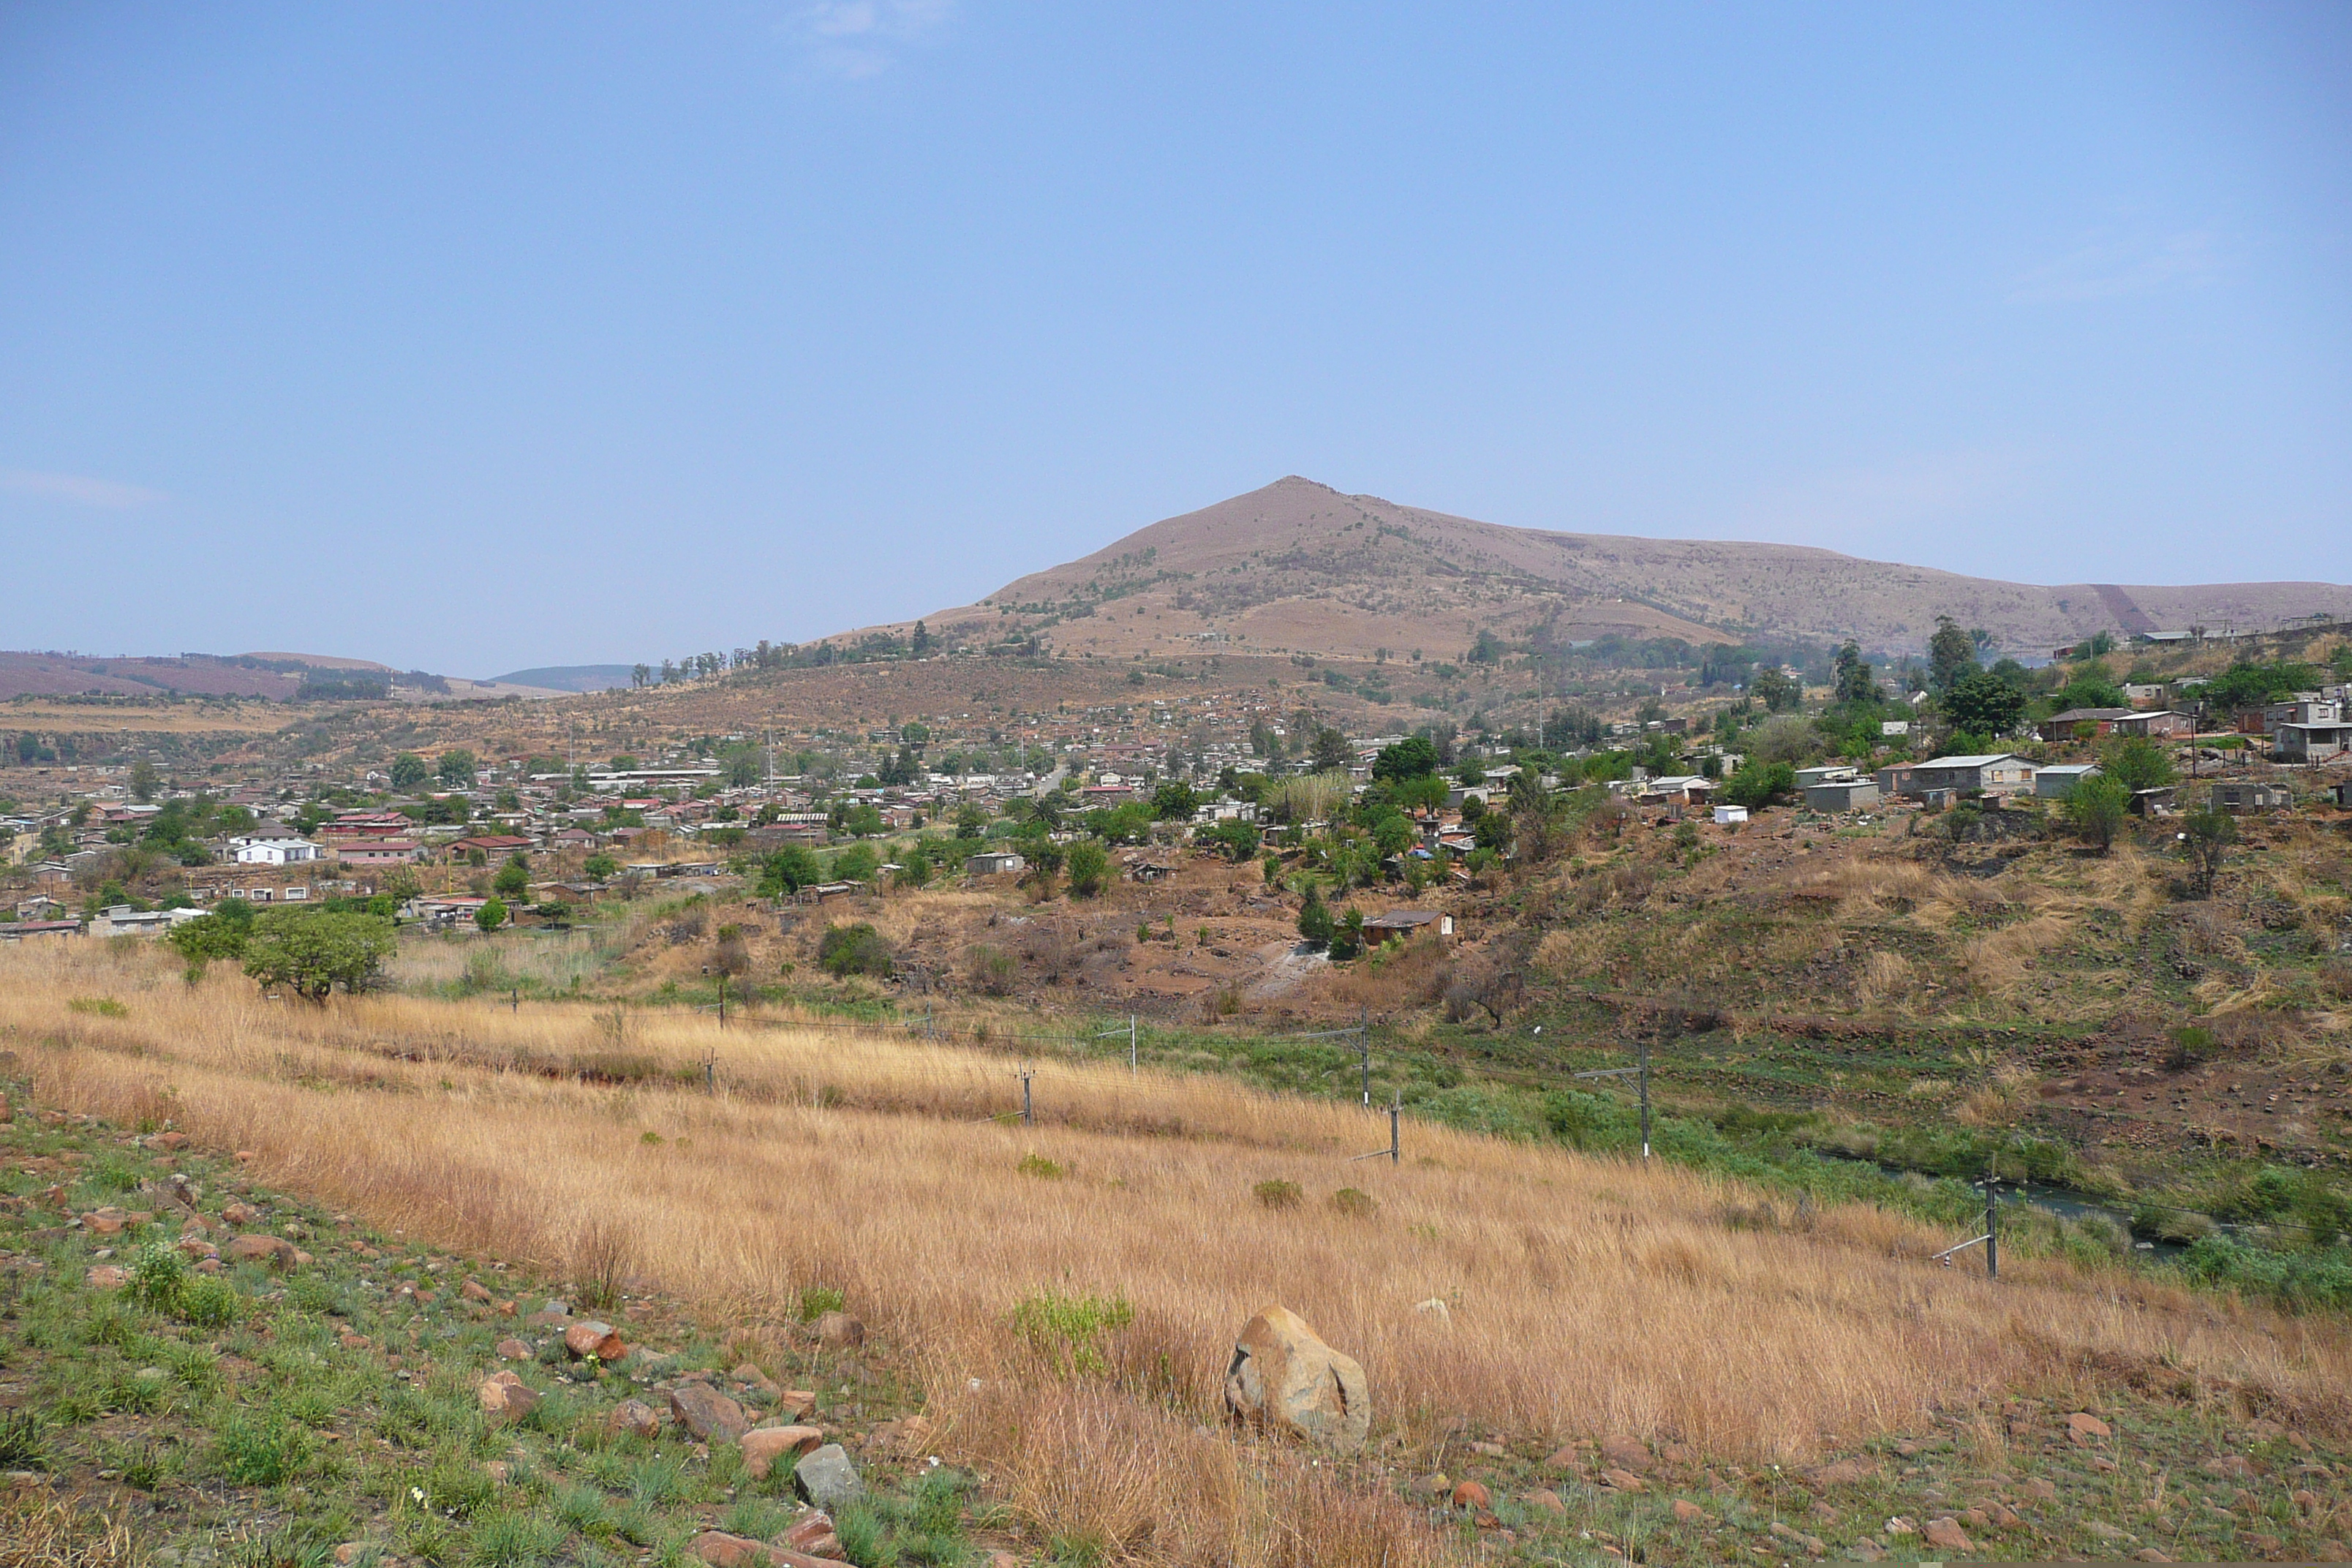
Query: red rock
(2231, 1467)
(1813, 1544)
(2150, 1554)
(168, 1141)
(1470, 1494)
(1947, 1535)
(240, 1214)
(1841, 1473)
(721, 1549)
(814, 1535)
(2004, 1516)
(106, 1221)
(274, 1250)
(208, 1265)
(2083, 1427)
(839, 1330)
(2040, 1487)
(197, 1247)
(748, 1373)
(247, 1157)
(591, 1338)
(763, 1445)
(1567, 1458)
(474, 1291)
(1548, 1500)
(1688, 1512)
(1624, 1481)
(1626, 1452)
(107, 1276)
(504, 1398)
(513, 1350)
(709, 1414)
(634, 1416)
(506, 1308)
(355, 1342)
(910, 1438)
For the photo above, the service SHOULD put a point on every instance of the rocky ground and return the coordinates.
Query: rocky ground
(195, 1369)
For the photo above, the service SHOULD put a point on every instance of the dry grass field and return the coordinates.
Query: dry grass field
(1583, 1295)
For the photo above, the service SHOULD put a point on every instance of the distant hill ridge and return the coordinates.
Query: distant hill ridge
(1300, 566)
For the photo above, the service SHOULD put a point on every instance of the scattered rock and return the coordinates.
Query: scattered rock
(1626, 1452)
(2231, 1467)
(1624, 1481)
(2002, 1515)
(589, 1337)
(240, 1214)
(1823, 1513)
(839, 1331)
(1947, 1535)
(748, 1373)
(2103, 1530)
(106, 1221)
(1812, 1543)
(2101, 1464)
(107, 1276)
(797, 1403)
(513, 1350)
(247, 1157)
(2083, 1427)
(197, 1247)
(352, 1342)
(2040, 1487)
(1567, 1459)
(635, 1417)
(1490, 1450)
(504, 1398)
(910, 1438)
(1432, 1486)
(1843, 1473)
(826, 1478)
(709, 1414)
(473, 1290)
(814, 1535)
(276, 1251)
(1548, 1500)
(1435, 1307)
(763, 1445)
(1899, 1525)
(1283, 1378)
(721, 1549)
(1470, 1494)
(1867, 1550)
(1688, 1512)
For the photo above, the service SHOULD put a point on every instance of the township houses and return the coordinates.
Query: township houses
(2307, 729)
(1991, 772)
(379, 852)
(2161, 724)
(495, 845)
(1399, 924)
(272, 844)
(2057, 781)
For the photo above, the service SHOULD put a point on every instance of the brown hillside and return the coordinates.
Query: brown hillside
(1299, 566)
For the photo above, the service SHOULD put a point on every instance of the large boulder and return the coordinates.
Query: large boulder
(589, 1337)
(276, 1251)
(1285, 1379)
(763, 1445)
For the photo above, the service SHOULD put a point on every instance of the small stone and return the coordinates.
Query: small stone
(513, 1350)
(589, 1338)
(1567, 1458)
(1867, 1550)
(352, 1342)
(106, 1221)
(1548, 1500)
(197, 1247)
(1470, 1494)
(1812, 1544)
(1490, 1450)
(2002, 1515)
(1688, 1512)
(273, 1250)
(1626, 1452)
(2040, 1487)
(473, 1290)
(107, 1276)
(504, 1398)
(1899, 1525)
(1434, 1484)
(2101, 1464)
(168, 1141)
(826, 1479)
(209, 1266)
(1624, 1481)
(814, 1535)
(2083, 1427)
(721, 1550)
(709, 1414)
(1843, 1473)
(2105, 1531)
(634, 1416)
(247, 1157)
(2149, 1554)
(763, 1445)
(839, 1330)
(1947, 1535)
(1973, 1518)
(2231, 1467)
(2305, 1500)
(240, 1214)
(751, 1375)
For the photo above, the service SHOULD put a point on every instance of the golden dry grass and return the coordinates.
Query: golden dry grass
(1587, 1295)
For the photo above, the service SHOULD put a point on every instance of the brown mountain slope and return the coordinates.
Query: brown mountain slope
(1300, 566)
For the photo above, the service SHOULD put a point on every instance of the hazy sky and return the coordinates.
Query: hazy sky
(473, 337)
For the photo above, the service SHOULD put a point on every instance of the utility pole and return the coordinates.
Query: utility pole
(1364, 1046)
(1641, 1075)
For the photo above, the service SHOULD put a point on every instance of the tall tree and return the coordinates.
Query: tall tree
(1951, 654)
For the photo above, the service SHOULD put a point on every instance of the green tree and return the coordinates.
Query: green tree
(1414, 757)
(143, 780)
(1427, 793)
(1237, 838)
(2206, 836)
(409, 772)
(863, 820)
(1088, 864)
(1174, 802)
(1347, 934)
(1779, 691)
(2096, 808)
(856, 949)
(2138, 762)
(490, 916)
(311, 951)
(790, 869)
(1332, 753)
(1758, 783)
(856, 864)
(2090, 688)
(1314, 920)
(600, 868)
(1982, 704)
(513, 880)
(219, 934)
(1951, 654)
(456, 769)
(1854, 676)
(971, 820)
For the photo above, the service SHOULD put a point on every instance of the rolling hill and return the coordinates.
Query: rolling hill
(1299, 566)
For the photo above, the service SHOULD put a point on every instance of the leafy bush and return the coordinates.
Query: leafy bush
(1041, 1167)
(1278, 1193)
(1354, 1203)
(1088, 865)
(158, 1271)
(207, 1301)
(258, 1450)
(24, 1441)
(1069, 1329)
(856, 949)
(816, 1300)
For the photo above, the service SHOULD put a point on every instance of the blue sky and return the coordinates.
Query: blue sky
(475, 337)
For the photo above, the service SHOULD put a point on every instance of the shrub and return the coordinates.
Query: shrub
(514, 1541)
(991, 969)
(158, 1271)
(816, 1300)
(1041, 1167)
(1069, 1329)
(2096, 808)
(207, 1301)
(2191, 1044)
(255, 1451)
(1278, 1193)
(1354, 1203)
(856, 949)
(24, 1441)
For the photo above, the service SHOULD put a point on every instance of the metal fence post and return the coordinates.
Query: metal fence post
(1396, 1113)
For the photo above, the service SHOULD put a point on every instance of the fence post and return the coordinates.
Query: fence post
(1396, 1113)
(1645, 1098)
(1028, 1115)
(1130, 1043)
(1992, 1227)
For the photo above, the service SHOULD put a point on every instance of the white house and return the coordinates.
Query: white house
(272, 846)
